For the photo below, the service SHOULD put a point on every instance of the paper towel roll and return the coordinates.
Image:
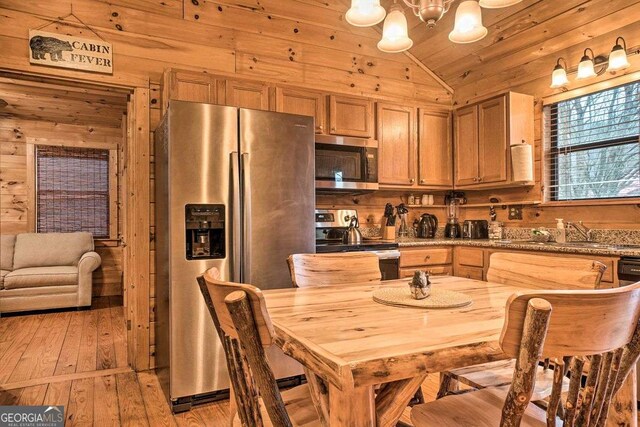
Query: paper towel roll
(522, 162)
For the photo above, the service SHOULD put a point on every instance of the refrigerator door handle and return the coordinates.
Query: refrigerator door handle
(246, 220)
(236, 263)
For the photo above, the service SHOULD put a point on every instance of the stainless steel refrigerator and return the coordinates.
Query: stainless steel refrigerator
(234, 189)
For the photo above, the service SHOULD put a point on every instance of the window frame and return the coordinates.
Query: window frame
(550, 170)
(32, 182)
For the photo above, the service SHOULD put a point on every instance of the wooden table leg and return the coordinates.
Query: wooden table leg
(319, 396)
(623, 410)
(393, 398)
(352, 407)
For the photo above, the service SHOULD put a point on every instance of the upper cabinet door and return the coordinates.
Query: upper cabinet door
(493, 143)
(245, 94)
(305, 103)
(350, 116)
(396, 142)
(466, 146)
(435, 154)
(190, 86)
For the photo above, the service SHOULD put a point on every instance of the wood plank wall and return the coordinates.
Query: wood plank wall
(305, 43)
(14, 136)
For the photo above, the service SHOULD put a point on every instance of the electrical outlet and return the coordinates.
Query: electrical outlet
(515, 212)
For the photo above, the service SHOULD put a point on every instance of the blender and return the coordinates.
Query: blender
(452, 230)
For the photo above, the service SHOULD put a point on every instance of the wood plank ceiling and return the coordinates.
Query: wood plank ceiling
(524, 41)
(24, 100)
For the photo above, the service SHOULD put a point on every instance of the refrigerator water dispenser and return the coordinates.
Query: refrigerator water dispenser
(204, 227)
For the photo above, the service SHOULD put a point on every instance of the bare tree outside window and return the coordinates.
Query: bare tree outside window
(594, 145)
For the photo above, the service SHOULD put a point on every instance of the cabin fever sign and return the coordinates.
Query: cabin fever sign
(60, 50)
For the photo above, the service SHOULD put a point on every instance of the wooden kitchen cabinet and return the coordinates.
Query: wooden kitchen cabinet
(435, 153)
(466, 146)
(396, 144)
(247, 94)
(469, 263)
(193, 86)
(484, 133)
(350, 116)
(436, 260)
(305, 103)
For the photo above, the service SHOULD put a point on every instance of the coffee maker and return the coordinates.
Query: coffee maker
(204, 227)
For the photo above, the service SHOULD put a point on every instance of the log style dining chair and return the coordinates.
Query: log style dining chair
(333, 269)
(552, 324)
(530, 271)
(243, 324)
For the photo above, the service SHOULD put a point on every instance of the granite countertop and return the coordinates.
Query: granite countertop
(605, 249)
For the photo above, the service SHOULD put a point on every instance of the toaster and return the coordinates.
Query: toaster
(475, 229)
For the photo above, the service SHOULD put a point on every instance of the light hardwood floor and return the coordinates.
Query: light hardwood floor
(78, 359)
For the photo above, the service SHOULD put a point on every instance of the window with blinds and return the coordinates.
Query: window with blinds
(593, 145)
(72, 190)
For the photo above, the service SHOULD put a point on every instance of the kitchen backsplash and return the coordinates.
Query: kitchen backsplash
(610, 236)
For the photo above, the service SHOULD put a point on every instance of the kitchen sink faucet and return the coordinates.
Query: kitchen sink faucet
(581, 229)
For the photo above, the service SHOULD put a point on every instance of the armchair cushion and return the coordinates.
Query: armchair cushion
(2, 274)
(7, 243)
(41, 276)
(50, 249)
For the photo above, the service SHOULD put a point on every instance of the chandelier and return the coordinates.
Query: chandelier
(468, 26)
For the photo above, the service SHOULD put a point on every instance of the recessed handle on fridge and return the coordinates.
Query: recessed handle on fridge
(235, 220)
(246, 220)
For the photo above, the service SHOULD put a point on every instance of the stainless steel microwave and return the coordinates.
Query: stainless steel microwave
(346, 164)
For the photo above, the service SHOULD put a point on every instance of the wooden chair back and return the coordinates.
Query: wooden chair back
(544, 271)
(241, 319)
(333, 269)
(571, 327)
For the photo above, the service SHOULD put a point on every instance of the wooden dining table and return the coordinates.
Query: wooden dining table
(364, 360)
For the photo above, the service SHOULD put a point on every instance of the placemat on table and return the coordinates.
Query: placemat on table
(439, 298)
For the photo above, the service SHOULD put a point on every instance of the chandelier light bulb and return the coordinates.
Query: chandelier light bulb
(468, 26)
(395, 34)
(496, 4)
(365, 13)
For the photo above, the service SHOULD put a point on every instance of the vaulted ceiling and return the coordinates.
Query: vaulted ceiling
(524, 40)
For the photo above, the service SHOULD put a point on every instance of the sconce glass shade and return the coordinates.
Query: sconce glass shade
(496, 4)
(618, 57)
(559, 77)
(468, 26)
(365, 13)
(395, 34)
(585, 68)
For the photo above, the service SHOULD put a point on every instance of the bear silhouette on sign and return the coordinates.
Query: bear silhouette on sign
(40, 46)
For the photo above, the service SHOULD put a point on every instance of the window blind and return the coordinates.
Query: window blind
(593, 145)
(72, 190)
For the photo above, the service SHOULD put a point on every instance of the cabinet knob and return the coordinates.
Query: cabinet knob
(320, 127)
(479, 179)
(475, 179)
(412, 180)
(422, 181)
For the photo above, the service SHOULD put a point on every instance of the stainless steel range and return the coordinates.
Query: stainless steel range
(331, 225)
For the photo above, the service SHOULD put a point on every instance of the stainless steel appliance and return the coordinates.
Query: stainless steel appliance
(235, 191)
(475, 229)
(331, 224)
(628, 274)
(346, 164)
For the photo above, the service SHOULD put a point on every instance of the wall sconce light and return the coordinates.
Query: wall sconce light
(618, 57)
(586, 68)
(559, 77)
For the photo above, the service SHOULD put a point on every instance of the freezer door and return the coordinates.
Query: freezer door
(279, 195)
(202, 140)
